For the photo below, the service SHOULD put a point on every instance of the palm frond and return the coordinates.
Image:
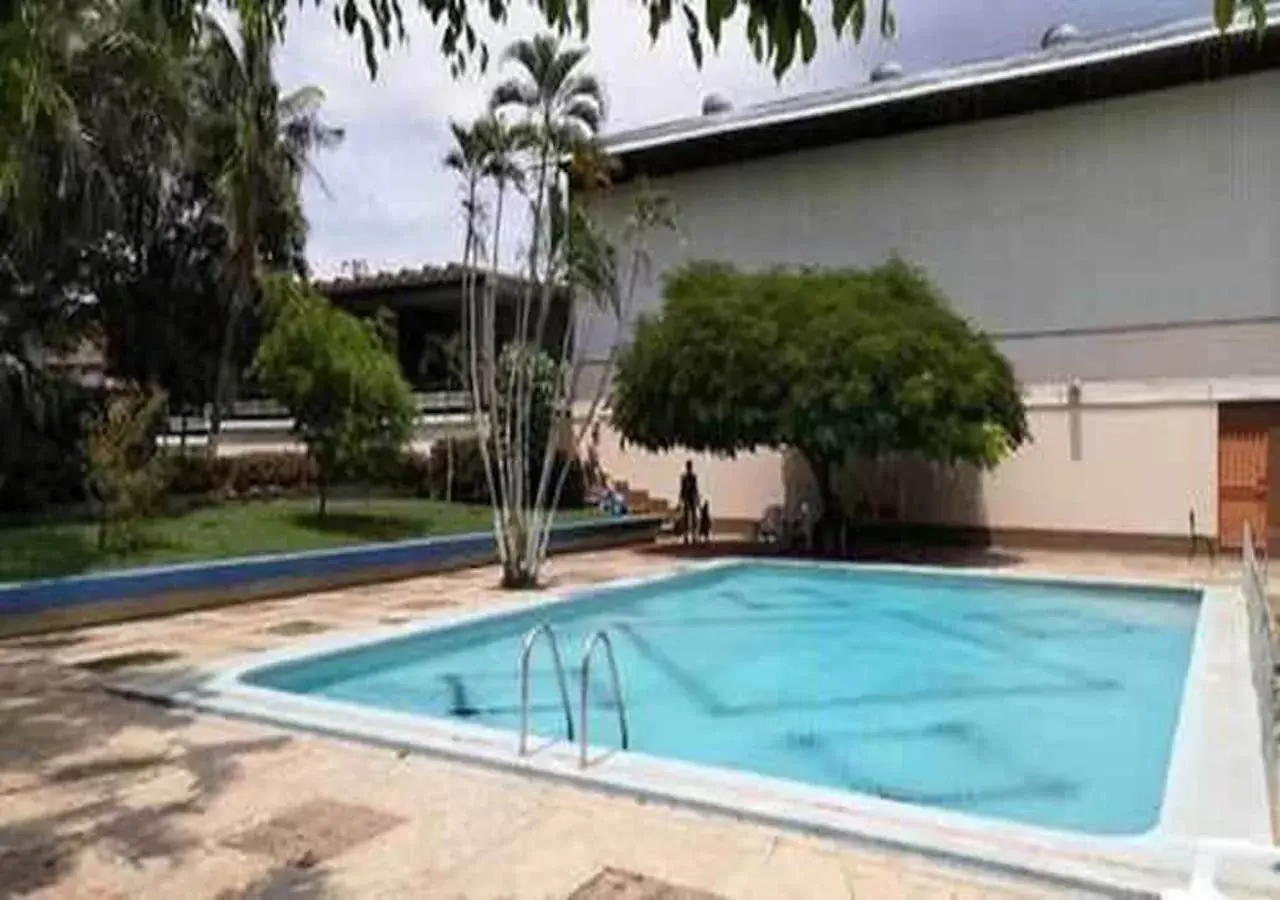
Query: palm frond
(585, 112)
(556, 76)
(588, 87)
(513, 92)
(303, 101)
(527, 53)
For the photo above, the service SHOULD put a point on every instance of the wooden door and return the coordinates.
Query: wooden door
(1243, 439)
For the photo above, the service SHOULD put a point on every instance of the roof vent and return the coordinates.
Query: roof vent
(714, 104)
(1059, 35)
(886, 71)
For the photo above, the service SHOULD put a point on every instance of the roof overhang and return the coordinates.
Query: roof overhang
(1117, 66)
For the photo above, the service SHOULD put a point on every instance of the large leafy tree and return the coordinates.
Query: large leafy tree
(147, 163)
(838, 365)
(88, 91)
(778, 31)
(84, 87)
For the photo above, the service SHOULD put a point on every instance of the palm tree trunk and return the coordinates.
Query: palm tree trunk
(448, 468)
(223, 376)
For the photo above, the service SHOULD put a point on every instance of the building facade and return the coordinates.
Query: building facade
(1106, 209)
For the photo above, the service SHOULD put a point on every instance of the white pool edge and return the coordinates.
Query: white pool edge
(1216, 783)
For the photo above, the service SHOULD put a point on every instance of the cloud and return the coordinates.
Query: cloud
(391, 202)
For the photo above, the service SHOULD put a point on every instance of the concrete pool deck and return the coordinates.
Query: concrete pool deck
(108, 797)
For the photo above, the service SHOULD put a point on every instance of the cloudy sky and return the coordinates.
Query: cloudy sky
(386, 198)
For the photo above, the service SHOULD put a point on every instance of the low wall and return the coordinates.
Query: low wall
(1134, 461)
(37, 606)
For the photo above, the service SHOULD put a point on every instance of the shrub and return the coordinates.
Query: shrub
(471, 486)
(198, 474)
(282, 471)
(126, 478)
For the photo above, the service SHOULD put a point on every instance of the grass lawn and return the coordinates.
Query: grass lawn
(50, 549)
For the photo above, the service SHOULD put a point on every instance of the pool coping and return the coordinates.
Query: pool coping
(1215, 784)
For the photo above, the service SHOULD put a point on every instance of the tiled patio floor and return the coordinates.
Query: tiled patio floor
(105, 797)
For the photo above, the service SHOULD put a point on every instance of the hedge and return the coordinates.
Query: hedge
(286, 472)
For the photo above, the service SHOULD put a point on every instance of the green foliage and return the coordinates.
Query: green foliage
(288, 473)
(471, 484)
(55, 548)
(831, 363)
(42, 430)
(777, 30)
(245, 474)
(538, 377)
(126, 478)
(149, 162)
(350, 405)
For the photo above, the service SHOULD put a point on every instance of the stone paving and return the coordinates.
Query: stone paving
(102, 797)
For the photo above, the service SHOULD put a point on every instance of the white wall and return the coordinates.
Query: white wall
(1139, 211)
(1142, 467)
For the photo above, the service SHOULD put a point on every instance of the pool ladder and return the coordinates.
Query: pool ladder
(599, 639)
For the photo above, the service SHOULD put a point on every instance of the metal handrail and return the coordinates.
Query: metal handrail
(526, 651)
(588, 649)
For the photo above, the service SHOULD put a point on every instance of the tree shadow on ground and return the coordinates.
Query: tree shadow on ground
(74, 761)
(362, 526)
(284, 883)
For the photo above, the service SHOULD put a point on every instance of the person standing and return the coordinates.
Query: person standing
(689, 503)
(595, 472)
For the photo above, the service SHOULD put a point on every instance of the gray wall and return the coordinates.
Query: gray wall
(1128, 238)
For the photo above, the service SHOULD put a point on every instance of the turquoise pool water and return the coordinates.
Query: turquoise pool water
(1047, 703)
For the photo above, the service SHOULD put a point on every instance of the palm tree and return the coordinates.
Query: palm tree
(567, 107)
(469, 156)
(561, 107)
(257, 146)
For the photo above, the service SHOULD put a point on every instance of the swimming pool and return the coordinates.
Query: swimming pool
(1047, 703)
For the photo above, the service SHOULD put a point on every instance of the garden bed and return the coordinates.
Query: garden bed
(51, 603)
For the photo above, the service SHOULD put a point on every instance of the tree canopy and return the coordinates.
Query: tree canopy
(835, 364)
(350, 404)
(150, 168)
(777, 30)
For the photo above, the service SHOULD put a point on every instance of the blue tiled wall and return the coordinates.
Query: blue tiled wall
(241, 575)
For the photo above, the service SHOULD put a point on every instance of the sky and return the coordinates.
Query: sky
(384, 197)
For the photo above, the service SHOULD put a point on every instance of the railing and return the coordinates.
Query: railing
(526, 650)
(600, 638)
(1209, 852)
(1261, 654)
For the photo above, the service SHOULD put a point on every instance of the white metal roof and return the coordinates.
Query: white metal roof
(908, 87)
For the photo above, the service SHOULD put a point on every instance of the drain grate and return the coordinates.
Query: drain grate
(310, 833)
